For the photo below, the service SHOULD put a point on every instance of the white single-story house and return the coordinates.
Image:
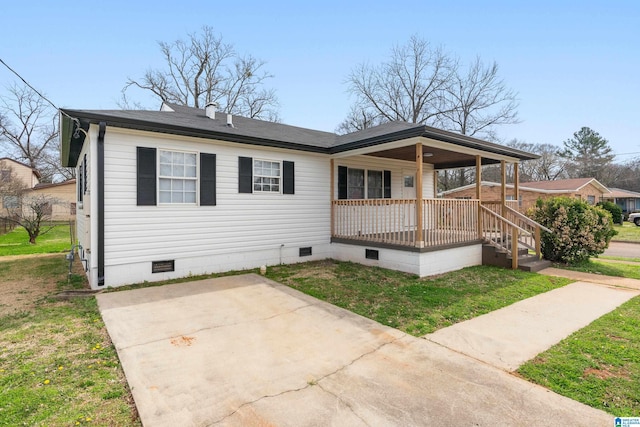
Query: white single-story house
(185, 191)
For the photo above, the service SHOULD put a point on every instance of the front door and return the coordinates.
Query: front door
(408, 184)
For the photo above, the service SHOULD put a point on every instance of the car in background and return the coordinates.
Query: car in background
(635, 218)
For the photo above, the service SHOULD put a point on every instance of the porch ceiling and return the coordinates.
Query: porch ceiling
(440, 158)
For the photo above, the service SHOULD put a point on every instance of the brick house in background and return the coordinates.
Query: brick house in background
(588, 189)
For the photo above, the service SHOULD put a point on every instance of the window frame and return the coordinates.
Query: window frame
(385, 188)
(262, 176)
(171, 178)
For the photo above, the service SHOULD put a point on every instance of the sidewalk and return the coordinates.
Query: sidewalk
(508, 337)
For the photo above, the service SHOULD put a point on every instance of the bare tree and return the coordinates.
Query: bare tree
(33, 213)
(410, 87)
(205, 69)
(549, 167)
(28, 130)
(477, 101)
(22, 208)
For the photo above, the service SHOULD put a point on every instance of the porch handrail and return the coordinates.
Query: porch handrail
(525, 219)
(504, 234)
(533, 240)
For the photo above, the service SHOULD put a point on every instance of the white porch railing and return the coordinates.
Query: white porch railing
(393, 221)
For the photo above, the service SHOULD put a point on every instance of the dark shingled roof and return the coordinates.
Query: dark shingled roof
(188, 121)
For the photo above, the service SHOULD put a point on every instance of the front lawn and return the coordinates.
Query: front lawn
(57, 364)
(16, 242)
(628, 232)
(598, 365)
(406, 302)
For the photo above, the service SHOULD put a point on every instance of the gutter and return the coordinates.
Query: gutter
(101, 132)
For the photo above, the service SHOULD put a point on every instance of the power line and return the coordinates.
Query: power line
(27, 83)
(77, 122)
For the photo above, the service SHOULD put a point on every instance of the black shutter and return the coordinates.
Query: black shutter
(387, 184)
(288, 178)
(342, 182)
(245, 175)
(207, 179)
(146, 164)
(84, 188)
(80, 183)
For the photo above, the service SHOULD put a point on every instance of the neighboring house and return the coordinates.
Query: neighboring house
(588, 189)
(64, 195)
(629, 201)
(184, 191)
(28, 176)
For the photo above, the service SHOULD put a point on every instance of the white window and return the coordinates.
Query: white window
(178, 177)
(266, 176)
(591, 200)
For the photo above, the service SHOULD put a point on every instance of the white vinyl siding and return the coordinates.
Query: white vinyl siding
(239, 226)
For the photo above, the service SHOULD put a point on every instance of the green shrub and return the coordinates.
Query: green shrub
(614, 210)
(579, 230)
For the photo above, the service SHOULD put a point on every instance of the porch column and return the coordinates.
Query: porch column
(332, 173)
(503, 188)
(516, 183)
(419, 236)
(435, 184)
(479, 193)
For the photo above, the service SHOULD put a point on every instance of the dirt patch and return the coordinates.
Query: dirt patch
(183, 341)
(19, 290)
(324, 270)
(606, 372)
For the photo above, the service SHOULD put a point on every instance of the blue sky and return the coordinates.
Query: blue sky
(572, 63)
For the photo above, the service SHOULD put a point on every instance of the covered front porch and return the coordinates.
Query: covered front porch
(423, 223)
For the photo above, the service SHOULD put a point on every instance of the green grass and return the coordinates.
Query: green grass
(605, 268)
(598, 365)
(618, 258)
(628, 232)
(406, 302)
(57, 364)
(16, 242)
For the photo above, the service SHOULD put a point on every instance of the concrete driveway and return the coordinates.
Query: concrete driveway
(247, 351)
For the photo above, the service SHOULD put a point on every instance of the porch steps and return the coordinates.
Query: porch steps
(492, 255)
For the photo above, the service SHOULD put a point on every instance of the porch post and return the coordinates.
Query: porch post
(516, 183)
(479, 193)
(435, 184)
(332, 173)
(419, 236)
(503, 191)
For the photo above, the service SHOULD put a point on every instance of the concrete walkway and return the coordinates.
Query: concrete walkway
(621, 282)
(508, 337)
(246, 351)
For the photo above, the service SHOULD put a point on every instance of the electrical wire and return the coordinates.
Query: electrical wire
(77, 122)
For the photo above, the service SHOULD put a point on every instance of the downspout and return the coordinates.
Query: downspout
(101, 132)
